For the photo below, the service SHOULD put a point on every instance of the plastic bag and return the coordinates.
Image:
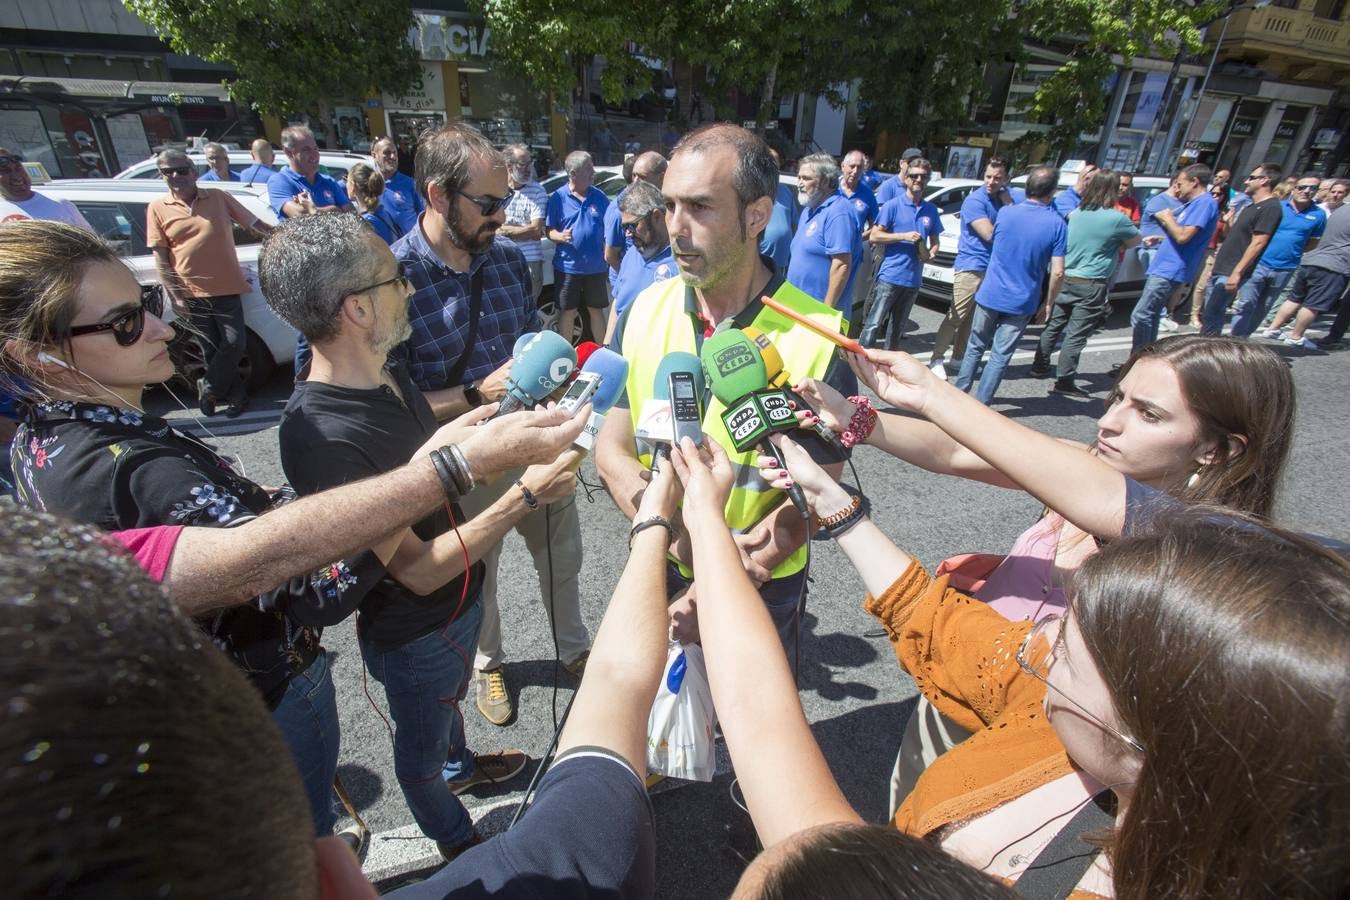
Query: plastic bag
(680, 727)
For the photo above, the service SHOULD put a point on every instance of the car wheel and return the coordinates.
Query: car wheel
(256, 366)
(548, 314)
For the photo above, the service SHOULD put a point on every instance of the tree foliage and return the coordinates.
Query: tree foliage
(289, 53)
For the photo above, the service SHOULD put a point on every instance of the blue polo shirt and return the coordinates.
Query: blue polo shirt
(822, 232)
(285, 185)
(211, 175)
(586, 254)
(864, 204)
(776, 242)
(1181, 262)
(257, 174)
(1027, 236)
(972, 252)
(890, 189)
(637, 274)
(1285, 249)
(1148, 222)
(615, 236)
(401, 200)
(1067, 201)
(873, 179)
(900, 266)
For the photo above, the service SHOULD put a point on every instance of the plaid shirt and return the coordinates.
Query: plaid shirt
(439, 310)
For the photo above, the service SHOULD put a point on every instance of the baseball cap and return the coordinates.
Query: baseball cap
(911, 153)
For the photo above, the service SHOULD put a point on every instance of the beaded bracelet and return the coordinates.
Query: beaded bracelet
(443, 472)
(530, 499)
(861, 425)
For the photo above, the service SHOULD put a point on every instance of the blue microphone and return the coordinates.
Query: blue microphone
(544, 363)
(521, 342)
(600, 382)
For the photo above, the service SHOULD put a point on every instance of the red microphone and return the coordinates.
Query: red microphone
(584, 351)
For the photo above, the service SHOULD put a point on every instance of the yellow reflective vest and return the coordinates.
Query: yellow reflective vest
(659, 323)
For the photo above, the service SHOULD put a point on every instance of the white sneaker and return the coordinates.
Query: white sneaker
(1273, 334)
(938, 369)
(1167, 324)
(1304, 342)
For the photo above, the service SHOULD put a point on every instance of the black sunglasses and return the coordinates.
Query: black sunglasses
(127, 327)
(630, 228)
(489, 206)
(401, 278)
(7, 161)
(175, 170)
(1306, 188)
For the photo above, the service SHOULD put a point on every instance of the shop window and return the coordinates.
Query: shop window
(1329, 9)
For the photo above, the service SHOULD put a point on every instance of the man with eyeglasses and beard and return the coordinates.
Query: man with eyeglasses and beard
(1299, 231)
(19, 201)
(191, 233)
(471, 300)
(356, 414)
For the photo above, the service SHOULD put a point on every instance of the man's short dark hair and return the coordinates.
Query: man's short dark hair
(309, 265)
(1200, 172)
(999, 162)
(1042, 181)
(1273, 172)
(921, 162)
(444, 155)
(755, 174)
(139, 762)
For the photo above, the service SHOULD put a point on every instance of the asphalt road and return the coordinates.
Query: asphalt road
(851, 688)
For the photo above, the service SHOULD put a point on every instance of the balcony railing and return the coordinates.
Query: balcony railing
(1296, 32)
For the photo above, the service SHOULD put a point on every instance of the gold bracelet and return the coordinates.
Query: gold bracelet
(835, 518)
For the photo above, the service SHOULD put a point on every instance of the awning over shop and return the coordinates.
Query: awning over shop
(168, 93)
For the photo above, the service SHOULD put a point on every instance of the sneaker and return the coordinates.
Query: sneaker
(357, 837)
(1330, 344)
(489, 691)
(238, 402)
(1068, 388)
(1168, 325)
(1303, 343)
(938, 369)
(1273, 334)
(205, 402)
(1115, 370)
(1040, 367)
(491, 768)
(450, 852)
(578, 666)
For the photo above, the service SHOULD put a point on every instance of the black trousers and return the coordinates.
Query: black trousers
(219, 326)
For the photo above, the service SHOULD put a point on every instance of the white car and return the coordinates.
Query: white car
(938, 274)
(333, 164)
(116, 210)
(609, 179)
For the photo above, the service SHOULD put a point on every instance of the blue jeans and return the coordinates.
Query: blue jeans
(1256, 297)
(888, 315)
(424, 683)
(1148, 311)
(1215, 311)
(308, 719)
(989, 329)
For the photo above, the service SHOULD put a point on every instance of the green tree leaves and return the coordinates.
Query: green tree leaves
(289, 53)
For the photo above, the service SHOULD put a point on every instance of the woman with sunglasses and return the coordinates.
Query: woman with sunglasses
(84, 340)
(1184, 716)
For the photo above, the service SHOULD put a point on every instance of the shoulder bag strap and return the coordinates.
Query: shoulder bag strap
(1058, 868)
(456, 375)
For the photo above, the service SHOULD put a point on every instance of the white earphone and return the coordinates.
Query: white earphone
(45, 357)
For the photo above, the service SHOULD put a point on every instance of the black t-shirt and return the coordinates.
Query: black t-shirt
(550, 854)
(1255, 218)
(332, 435)
(117, 468)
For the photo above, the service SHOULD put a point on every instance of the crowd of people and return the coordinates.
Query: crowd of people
(1146, 696)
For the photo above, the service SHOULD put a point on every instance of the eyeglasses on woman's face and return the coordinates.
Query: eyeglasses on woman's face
(1043, 645)
(127, 326)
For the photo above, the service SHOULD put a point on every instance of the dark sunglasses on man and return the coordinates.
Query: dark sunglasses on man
(127, 327)
(175, 170)
(489, 206)
(630, 228)
(9, 163)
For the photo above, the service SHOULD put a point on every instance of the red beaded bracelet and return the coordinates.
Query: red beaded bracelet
(861, 425)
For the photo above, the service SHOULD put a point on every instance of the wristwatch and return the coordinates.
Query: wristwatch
(473, 394)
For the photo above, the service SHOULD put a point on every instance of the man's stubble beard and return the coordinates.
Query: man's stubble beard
(471, 244)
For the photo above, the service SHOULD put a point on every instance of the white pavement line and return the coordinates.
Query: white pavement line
(401, 851)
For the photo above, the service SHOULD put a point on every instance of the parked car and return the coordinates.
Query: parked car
(330, 163)
(116, 210)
